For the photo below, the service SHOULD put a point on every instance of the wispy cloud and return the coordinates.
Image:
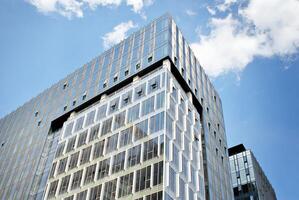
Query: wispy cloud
(260, 29)
(190, 12)
(76, 8)
(118, 34)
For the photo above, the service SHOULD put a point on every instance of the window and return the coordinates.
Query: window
(102, 112)
(140, 130)
(104, 84)
(52, 172)
(83, 97)
(62, 165)
(73, 161)
(110, 190)
(71, 144)
(90, 173)
(155, 196)
(111, 144)
(137, 65)
(115, 78)
(185, 167)
(77, 179)
(157, 122)
(172, 180)
(106, 127)
(90, 118)
(94, 132)
(95, 193)
(126, 72)
(150, 149)
(158, 173)
(82, 195)
(133, 113)
(64, 108)
(178, 136)
(74, 102)
(85, 155)
(139, 91)
(125, 185)
(82, 139)
(103, 168)
(134, 156)
(143, 179)
(150, 59)
(98, 149)
(126, 137)
(65, 85)
(154, 84)
(126, 99)
(114, 105)
(174, 93)
(79, 124)
(52, 189)
(68, 129)
(147, 106)
(64, 184)
(119, 120)
(160, 100)
(39, 123)
(36, 113)
(118, 162)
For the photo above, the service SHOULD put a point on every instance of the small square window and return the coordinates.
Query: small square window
(39, 123)
(137, 65)
(84, 97)
(154, 85)
(150, 59)
(115, 78)
(74, 102)
(189, 81)
(196, 92)
(175, 60)
(36, 114)
(104, 85)
(65, 86)
(140, 92)
(64, 108)
(183, 71)
(126, 72)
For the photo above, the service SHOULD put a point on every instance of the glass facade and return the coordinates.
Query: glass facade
(248, 178)
(102, 114)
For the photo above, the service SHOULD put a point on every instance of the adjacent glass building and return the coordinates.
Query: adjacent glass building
(249, 180)
(140, 121)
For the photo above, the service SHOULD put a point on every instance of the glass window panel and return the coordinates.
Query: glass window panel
(157, 122)
(150, 149)
(106, 126)
(125, 185)
(64, 184)
(133, 156)
(147, 106)
(140, 130)
(79, 124)
(133, 113)
(85, 155)
(126, 137)
(90, 118)
(90, 173)
(143, 179)
(98, 149)
(71, 144)
(77, 179)
(111, 144)
(95, 193)
(118, 162)
(119, 120)
(103, 170)
(94, 131)
(160, 100)
(73, 160)
(102, 112)
(82, 139)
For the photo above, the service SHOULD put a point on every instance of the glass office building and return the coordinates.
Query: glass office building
(249, 180)
(140, 121)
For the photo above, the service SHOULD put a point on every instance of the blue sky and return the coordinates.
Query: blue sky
(249, 49)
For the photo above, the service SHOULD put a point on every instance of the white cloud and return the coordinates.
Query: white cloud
(260, 29)
(211, 10)
(118, 34)
(191, 12)
(225, 5)
(75, 8)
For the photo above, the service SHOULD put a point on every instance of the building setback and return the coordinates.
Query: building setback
(140, 121)
(249, 179)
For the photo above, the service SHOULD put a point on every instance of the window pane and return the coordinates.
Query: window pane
(125, 185)
(133, 113)
(134, 156)
(157, 122)
(126, 137)
(119, 120)
(111, 144)
(148, 105)
(106, 127)
(118, 162)
(140, 130)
